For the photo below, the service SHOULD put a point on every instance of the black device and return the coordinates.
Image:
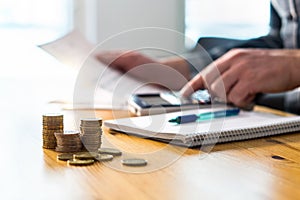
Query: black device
(144, 104)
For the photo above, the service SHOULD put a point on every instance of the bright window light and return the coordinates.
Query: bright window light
(35, 20)
(238, 19)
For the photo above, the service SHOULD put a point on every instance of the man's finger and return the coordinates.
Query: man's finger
(195, 84)
(239, 96)
(224, 83)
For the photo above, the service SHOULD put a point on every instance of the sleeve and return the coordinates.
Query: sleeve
(292, 101)
(285, 101)
(208, 49)
(272, 39)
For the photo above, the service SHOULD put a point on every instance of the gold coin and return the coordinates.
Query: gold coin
(80, 162)
(58, 115)
(67, 149)
(85, 155)
(49, 146)
(65, 156)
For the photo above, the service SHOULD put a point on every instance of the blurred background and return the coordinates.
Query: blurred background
(29, 76)
(41, 21)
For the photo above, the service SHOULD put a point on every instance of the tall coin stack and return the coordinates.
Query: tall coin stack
(68, 141)
(52, 123)
(91, 133)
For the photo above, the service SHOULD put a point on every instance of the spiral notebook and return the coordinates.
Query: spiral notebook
(247, 125)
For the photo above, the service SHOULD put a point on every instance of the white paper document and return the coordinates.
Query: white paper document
(96, 85)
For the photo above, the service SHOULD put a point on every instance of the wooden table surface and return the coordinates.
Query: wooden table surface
(267, 168)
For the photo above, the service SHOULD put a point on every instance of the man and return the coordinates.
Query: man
(242, 69)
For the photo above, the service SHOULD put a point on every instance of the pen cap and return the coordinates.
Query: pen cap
(225, 113)
(187, 118)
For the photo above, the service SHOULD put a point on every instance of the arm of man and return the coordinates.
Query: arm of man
(171, 72)
(242, 73)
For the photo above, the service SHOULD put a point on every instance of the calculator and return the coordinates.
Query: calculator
(145, 104)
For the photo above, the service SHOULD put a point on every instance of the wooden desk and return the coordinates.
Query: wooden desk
(267, 168)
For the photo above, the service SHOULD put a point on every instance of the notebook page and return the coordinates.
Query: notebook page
(158, 125)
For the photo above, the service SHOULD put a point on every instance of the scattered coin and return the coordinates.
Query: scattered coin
(71, 141)
(134, 162)
(85, 156)
(80, 162)
(104, 157)
(65, 156)
(111, 151)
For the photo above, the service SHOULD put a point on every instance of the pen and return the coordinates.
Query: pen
(205, 116)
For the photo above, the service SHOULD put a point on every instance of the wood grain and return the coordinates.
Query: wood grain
(266, 168)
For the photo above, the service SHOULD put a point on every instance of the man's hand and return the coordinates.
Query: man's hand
(242, 73)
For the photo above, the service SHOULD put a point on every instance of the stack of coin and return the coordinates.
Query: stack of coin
(52, 123)
(68, 141)
(91, 133)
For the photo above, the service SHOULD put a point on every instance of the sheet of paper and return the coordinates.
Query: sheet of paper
(97, 86)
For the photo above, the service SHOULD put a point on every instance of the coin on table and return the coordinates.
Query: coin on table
(85, 156)
(105, 157)
(80, 162)
(91, 121)
(52, 116)
(134, 162)
(67, 149)
(65, 156)
(111, 151)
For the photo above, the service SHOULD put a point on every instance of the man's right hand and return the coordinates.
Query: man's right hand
(240, 74)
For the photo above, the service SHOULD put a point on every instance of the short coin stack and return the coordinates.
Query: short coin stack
(103, 155)
(68, 141)
(52, 123)
(91, 133)
(88, 158)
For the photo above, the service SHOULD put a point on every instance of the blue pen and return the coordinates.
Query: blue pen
(205, 116)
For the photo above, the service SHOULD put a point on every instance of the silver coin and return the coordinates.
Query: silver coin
(134, 162)
(105, 157)
(111, 151)
(91, 121)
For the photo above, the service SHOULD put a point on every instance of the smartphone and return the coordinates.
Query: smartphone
(145, 104)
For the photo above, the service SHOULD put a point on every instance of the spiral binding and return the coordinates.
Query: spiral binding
(242, 134)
